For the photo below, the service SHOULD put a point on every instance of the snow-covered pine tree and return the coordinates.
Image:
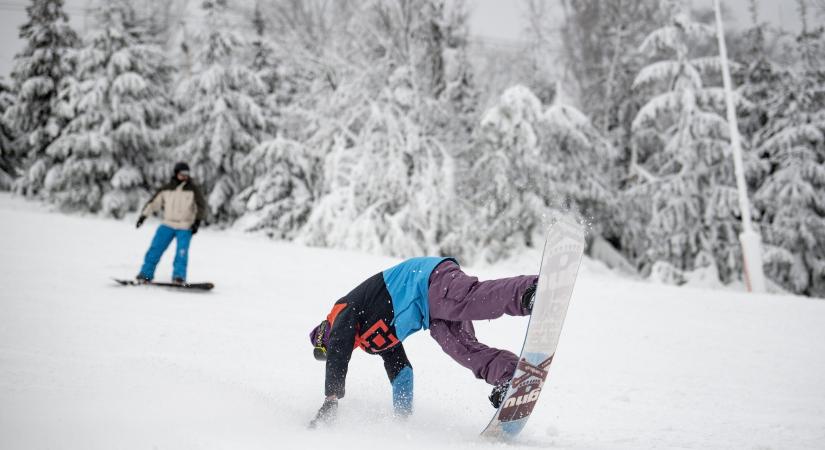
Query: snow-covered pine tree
(510, 211)
(541, 64)
(388, 175)
(791, 196)
(385, 177)
(598, 41)
(577, 166)
(684, 175)
(297, 51)
(267, 66)
(456, 127)
(426, 52)
(283, 193)
(433, 88)
(39, 72)
(103, 159)
(164, 20)
(9, 158)
(280, 197)
(221, 119)
(758, 78)
(461, 94)
(312, 45)
(531, 163)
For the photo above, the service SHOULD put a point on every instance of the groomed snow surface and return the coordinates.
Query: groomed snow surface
(86, 364)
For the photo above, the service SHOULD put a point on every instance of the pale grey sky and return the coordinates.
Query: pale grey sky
(491, 19)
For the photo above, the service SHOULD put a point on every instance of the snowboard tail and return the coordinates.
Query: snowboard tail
(205, 286)
(562, 255)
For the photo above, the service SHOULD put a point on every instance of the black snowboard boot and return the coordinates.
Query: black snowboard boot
(142, 279)
(528, 298)
(178, 280)
(497, 396)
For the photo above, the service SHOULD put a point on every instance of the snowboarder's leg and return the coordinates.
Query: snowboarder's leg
(458, 340)
(183, 238)
(456, 296)
(163, 237)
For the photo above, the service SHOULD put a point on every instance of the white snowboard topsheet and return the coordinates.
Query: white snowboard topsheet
(560, 263)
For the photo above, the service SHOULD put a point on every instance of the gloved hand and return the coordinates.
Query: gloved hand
(140, 221)
(327, 412)
(195, 226)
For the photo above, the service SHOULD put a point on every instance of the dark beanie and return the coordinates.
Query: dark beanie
(180, 167)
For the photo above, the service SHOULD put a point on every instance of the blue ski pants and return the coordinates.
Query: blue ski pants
(163, 237)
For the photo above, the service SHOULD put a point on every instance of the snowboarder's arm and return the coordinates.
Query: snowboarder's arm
(200, 203)
(399, 371)
(155, 203)
(339, 351)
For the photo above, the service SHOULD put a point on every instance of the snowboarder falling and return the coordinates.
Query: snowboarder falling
(420, 293)
(183, 209)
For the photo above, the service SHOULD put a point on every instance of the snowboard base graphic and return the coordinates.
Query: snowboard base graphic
(560, 263)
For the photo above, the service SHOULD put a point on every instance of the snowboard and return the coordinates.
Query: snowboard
(559, 265)
(186, 286)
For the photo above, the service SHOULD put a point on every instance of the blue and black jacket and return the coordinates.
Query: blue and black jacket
(377, 316)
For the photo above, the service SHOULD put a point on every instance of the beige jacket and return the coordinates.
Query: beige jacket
(181, 202)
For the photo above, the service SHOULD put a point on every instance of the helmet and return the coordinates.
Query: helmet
(319, 338)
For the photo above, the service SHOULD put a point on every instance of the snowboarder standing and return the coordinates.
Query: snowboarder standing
(183, 209)
(420, 293)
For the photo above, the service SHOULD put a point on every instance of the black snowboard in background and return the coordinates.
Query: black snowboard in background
(184, 286)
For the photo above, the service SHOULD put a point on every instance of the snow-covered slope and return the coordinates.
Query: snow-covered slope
(86, 364)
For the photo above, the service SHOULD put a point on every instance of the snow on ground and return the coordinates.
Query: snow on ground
(86, 364)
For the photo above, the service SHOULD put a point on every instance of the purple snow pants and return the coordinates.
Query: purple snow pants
(456, 299)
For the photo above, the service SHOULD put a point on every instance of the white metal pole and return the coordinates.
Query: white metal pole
(750, 240)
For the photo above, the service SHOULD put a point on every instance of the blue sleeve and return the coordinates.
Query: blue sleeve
(402, 392)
